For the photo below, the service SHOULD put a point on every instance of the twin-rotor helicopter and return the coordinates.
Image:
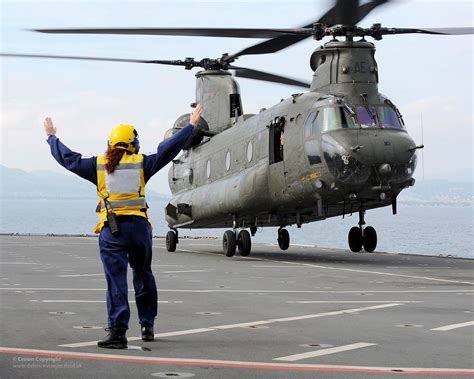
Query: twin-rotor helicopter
(339, 148)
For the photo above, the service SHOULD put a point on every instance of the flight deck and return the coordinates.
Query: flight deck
(307, 312)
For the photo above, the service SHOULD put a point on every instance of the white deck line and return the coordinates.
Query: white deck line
(351, 301)
(319, 353)
(343, 269)
(78, 275)
(93, 301)
(245, 324)
(238, 291)
(17, 263)
(365, 271)
(182, 272)
(453, 326)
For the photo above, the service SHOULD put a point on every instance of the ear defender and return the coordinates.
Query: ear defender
(125, 137)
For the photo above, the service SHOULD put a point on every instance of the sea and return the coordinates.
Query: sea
(416, 229)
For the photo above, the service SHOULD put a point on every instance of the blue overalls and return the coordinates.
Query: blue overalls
(133, 245)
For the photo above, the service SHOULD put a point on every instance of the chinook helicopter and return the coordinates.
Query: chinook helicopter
(337, 149)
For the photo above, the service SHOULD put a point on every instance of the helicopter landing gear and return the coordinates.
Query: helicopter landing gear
(355, 239)
(369, 239)
(171, 240)
(244, 243)
(229, 243)
(283, 238)
(362, 237)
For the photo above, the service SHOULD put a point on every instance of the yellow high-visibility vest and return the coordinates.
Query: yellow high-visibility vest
(123, 191)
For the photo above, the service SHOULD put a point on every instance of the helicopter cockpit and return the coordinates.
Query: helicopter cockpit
(350, 156)
(360, 116)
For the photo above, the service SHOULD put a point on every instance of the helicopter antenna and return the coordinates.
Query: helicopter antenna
(422, 151)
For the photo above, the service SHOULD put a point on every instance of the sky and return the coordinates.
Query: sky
(427, 77)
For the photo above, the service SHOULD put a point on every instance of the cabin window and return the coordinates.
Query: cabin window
(249, 151)
(189, 174)
(277, 140)
(208, 169)
(227, 161)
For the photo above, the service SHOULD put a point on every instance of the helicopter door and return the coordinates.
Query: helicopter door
(277, 178)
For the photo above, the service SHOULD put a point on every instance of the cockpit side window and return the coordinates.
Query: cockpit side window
(311, 134)
(309, 124)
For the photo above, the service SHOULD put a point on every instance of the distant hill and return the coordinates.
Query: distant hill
(16, 183)
(439, 192)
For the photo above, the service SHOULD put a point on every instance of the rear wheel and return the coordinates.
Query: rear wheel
(171, 241)
(244, 242)
(283, 239)
(369, 239)
(228, 243)
(355, 239)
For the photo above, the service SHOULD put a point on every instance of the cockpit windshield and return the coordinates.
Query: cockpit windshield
(337, 118)
(360, 116)
(389, 118)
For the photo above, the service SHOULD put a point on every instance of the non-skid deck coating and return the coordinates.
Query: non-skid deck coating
(307, 312)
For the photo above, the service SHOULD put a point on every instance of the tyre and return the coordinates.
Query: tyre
(355, 239)
(369, 239)
(244, 243)
(228, 243)
(171, 241)
(283, 239)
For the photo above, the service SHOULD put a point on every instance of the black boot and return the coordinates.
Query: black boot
(147, 333)
(115, 338)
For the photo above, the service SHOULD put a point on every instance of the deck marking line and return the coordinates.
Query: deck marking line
(280, 266)
(18, 263)
(240, 291)
(245, 324)
(351, 301)
(76, 275)
(318, 353)
(93, 301)
(179, 272)
(236, 364)
(453, 326)
(366, 271)
(342, 269)
(167, 334)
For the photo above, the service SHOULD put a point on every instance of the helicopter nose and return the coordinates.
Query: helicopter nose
(384, 169)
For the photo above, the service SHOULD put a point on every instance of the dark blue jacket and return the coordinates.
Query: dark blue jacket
(87, 167)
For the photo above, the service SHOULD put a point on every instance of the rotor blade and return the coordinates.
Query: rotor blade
(248, 73)
(70, 57)
(366, 8)
(202, 32)
(346, 12)
(439, 31)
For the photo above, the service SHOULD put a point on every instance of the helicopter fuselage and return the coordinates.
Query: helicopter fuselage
(310, 157)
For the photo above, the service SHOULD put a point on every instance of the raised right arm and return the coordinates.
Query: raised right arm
(86, 168)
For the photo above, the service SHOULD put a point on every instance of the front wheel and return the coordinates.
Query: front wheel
(171, 241)
(369, 239)
(228, 243)
(355, 239)
(283, 239)
(244, 242)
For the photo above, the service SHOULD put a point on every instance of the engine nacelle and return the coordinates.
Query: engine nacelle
(201, 130)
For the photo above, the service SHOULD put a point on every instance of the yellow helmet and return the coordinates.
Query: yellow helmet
(125, 137)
